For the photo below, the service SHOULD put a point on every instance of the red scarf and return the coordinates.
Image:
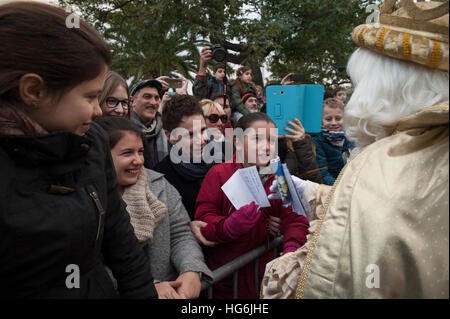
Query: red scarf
(16, 122)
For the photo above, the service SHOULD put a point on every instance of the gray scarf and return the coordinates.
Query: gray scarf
(151, 132)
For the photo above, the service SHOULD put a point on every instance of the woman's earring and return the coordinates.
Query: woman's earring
(34, 104)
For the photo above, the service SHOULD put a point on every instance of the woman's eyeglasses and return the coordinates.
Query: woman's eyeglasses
(112, 102)
(214, 118)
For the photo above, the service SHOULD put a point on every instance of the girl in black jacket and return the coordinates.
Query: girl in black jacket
(61, 216)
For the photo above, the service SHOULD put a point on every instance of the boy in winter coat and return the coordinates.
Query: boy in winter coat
(332, 147)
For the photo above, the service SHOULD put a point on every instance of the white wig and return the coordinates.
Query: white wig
(386, 90)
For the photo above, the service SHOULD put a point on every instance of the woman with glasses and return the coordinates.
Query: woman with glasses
(115, 97)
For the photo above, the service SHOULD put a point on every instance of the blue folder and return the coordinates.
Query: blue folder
(284, 102)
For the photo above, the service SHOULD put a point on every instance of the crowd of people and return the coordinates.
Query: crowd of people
(126, 183)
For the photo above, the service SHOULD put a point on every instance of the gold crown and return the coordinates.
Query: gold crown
(409, 30)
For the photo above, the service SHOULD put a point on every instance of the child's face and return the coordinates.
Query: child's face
(247, 76)
(332, 118)
(219, 74)
(341, 95)
(259, 144)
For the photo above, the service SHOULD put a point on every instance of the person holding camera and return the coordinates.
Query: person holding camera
(204, 88)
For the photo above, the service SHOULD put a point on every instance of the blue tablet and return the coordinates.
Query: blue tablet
(305, 102)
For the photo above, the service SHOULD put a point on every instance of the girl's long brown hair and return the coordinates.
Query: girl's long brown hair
(35, 39)
(240, 84)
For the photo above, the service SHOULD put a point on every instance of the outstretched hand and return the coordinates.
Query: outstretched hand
(287, 79)
(161, 79)
(205, 57)
(298, 133)
(183, 89)
(196, 225)
(299, 185)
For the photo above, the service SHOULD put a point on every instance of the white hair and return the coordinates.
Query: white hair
(386, 90)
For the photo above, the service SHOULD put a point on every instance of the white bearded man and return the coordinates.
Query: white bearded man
(382, 230)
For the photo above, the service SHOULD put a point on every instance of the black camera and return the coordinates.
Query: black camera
(219, 54)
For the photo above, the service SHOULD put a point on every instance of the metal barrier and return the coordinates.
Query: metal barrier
(233, 266)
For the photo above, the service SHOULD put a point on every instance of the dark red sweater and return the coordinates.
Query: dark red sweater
(213, 207)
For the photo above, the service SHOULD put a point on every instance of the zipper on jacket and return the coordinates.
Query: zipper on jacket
(100, 209)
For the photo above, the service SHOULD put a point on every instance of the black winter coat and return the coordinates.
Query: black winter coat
(59, 206)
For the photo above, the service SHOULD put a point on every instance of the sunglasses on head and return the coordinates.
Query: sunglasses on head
(214, 118)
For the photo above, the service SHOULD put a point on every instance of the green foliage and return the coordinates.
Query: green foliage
(150, 38)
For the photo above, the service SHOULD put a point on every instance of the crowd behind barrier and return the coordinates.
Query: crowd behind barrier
(114, 179)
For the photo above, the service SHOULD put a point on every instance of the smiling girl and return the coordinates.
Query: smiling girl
(239, 231)
(159, 219)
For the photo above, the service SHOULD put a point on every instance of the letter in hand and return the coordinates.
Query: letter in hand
(299, 185)
(241, 221)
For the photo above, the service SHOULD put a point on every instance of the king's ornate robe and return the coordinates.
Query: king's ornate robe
(382, 230)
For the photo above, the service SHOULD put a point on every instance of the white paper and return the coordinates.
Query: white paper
(253, 182)
(297, 205)
(245, 187)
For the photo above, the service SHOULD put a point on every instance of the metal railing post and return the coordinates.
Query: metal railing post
(256, 274)
(233, 266)
(235, 284)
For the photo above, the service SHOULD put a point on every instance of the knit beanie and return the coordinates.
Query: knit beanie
(247, 96)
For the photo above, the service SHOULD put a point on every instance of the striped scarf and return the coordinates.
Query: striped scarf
(336, 138)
